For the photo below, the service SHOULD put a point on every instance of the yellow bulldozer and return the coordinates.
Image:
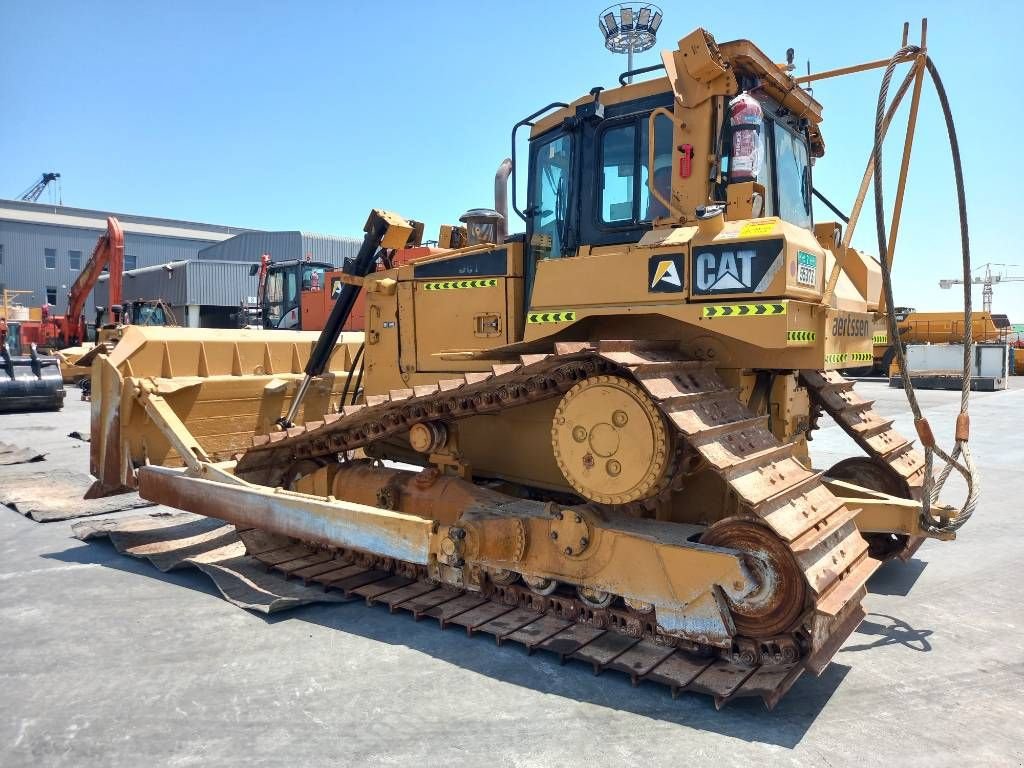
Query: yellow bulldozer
(610, 413)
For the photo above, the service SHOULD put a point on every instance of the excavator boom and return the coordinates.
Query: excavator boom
(108, 254)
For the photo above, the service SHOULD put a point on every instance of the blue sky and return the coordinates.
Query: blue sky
(304, 115)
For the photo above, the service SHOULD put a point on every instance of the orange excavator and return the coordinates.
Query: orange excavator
(299, 295)
(109, 254)
(52, 332)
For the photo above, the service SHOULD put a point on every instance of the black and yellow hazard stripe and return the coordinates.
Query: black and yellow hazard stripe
(454, 285)
(849, 357)
(562, 316)
(745, 310)
(880, 338)
(801, 337)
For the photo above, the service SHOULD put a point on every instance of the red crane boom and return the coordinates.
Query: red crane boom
(109, 253)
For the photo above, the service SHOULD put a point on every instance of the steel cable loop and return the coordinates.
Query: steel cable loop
(932, 485)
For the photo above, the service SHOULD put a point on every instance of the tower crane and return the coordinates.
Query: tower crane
(987, 280)
(32, 194)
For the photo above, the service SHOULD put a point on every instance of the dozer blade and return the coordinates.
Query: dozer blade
(30, 382)
(223, 386)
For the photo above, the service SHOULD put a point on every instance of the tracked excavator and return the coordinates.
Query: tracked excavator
(611, 412)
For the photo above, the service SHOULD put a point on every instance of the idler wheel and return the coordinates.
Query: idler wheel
(867, 473)
(611, 442)
(776, 605)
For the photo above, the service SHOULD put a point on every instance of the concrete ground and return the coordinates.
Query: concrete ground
(104, 661)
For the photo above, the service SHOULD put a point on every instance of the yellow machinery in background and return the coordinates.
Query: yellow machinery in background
(611, 411)
(930, 328)
(76, 361)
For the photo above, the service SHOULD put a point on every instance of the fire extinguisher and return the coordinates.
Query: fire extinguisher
(746, 118)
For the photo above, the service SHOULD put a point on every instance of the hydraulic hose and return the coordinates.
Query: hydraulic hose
(960, 457)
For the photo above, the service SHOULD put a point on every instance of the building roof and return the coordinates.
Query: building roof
(62, 215)
(283, 246)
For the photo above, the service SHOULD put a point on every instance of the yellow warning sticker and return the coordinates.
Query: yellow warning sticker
(801, 337)
(454, 285)
(758, 228)
(880, 338)
(562, 316)
(745, 310)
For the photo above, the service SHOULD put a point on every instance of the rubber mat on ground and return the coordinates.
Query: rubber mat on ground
(46, 494)
(15, 454)
(182, 539)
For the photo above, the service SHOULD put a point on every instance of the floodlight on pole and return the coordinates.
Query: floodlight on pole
(630, 28)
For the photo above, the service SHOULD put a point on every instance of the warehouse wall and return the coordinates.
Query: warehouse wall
(216, 288)
(166, 281)
(219, 283)
(24, 245)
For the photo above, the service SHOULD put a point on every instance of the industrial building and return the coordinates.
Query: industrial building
(201, 294)
(43, 246)
(207, 291)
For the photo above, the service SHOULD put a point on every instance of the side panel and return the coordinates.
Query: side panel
(456, 302)
(460, 315)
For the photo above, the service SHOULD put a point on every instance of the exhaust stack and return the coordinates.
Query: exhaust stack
(487, 225)
(501, 196)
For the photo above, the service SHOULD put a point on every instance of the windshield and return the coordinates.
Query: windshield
(549, 198)
(150, 315)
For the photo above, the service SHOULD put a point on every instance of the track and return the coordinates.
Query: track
(895, 456)
(712, 431)
(873, 433)
(586, 638)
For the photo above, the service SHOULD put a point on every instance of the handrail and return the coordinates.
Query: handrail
(528, 120)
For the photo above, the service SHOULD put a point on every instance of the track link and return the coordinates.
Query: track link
(890, 450)
(765, 480)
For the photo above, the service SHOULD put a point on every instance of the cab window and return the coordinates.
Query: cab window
(550, 197)
(312, 278)
(662, 171)
(282, 295)
(793, 177)
(625, 198)
(618, 152)
(149, 315)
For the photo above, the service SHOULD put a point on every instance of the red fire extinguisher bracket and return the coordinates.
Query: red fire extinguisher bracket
(686, 162)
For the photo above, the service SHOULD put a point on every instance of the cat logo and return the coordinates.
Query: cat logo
(748, 268)
(665, 273)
